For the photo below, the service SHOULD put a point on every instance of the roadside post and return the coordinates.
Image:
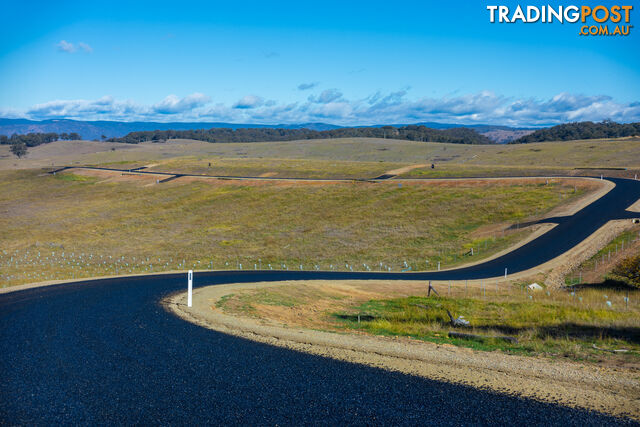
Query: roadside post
(190, 288)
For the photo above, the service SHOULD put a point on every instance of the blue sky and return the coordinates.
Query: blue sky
(288, 62)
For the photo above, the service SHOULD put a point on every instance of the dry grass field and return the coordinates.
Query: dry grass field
(345, 157)
(86, 223)
(89, 223)
(275, 168)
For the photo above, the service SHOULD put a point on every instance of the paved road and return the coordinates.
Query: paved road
(570, 231)
(107, 352)
(171, 176)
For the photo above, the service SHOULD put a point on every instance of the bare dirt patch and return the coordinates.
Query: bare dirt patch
(405, 169)
(116, 177)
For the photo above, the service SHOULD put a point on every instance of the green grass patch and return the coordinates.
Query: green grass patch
(557, 325)
(69, 177)
(223, 300)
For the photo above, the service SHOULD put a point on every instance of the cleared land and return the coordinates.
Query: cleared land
(90, 223)
(346, 154)
(84, 223)
(274, 168)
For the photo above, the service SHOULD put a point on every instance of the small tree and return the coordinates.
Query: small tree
(628, 271)
(19, 149)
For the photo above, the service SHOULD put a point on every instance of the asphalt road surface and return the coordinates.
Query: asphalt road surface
(106, 352)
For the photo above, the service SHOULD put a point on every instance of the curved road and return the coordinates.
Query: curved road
(105, 351)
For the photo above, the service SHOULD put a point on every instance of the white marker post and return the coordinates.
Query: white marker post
(190, 289)
(505, 273)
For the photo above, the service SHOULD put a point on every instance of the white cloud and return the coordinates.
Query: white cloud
(85, 47)
(326, 96)
(172, 104)
(307, 86)
(85, 109)
(330, 106)
(248, 102)
(11, 113)
(68, 47)
(108, 108)
(65, 46)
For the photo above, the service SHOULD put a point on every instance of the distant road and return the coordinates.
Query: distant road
(106, 352)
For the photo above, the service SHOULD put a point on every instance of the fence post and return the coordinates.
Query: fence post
(190, 288)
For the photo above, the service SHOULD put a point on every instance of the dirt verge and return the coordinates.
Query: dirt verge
(603, 389)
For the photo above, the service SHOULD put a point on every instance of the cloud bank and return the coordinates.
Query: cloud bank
(331, 106)
(174, 105)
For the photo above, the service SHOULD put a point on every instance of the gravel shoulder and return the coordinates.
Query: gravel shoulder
(609, 390)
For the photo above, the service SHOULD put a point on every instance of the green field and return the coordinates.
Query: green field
(557, 324)
(70, 225)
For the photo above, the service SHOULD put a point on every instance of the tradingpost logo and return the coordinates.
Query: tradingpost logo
(597, 20)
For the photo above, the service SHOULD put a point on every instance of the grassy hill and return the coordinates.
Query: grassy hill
(85, 224)
(345, 157)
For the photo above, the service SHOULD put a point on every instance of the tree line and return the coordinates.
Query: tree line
(581, 130)
(411, 133)
(461, 135)
(20, 143)
(35, 139)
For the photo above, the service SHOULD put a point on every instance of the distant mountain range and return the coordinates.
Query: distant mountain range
(111, 129)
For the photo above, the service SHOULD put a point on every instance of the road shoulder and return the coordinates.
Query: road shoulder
(591, 387)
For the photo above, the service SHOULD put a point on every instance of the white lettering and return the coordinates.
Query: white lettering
(503, 11)
(492, 13)
(518, 15)
(530, 16)
(573, 17)
(556, 13)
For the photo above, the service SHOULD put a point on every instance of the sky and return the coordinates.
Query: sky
(339, 62)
